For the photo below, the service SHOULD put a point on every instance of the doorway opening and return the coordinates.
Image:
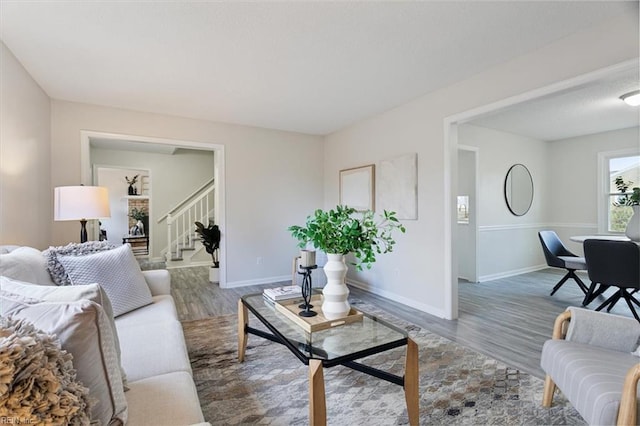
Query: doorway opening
(451, 132)
(141, 146)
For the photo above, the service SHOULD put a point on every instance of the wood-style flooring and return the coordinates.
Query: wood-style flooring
(507, 319)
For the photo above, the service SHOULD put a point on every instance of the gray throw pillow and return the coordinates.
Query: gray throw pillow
(118, 273)
(56, 270)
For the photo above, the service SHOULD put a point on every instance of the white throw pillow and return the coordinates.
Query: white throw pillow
(28, 294)
(117, 271)
(26, 264)
(84, 331)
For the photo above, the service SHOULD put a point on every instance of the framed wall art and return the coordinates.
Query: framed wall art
(398, 186)
(357, 187)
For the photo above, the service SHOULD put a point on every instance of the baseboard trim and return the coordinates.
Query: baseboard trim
(511, 273)
(258, 281)
(400, 299)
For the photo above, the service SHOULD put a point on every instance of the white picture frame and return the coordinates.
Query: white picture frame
(357, 187)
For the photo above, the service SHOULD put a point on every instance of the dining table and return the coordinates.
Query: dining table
(608, 237)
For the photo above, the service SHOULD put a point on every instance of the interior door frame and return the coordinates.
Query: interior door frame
(218, 173)
(451, 124)
(473, 207)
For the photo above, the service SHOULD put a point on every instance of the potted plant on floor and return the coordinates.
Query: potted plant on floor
(210, 237)
(343, 231)
(631, 199)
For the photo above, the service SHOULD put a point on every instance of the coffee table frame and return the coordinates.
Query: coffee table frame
(317, 401)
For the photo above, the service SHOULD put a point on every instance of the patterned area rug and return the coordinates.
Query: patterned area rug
(457, 385)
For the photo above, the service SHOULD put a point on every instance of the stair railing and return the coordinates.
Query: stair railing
(181, 223)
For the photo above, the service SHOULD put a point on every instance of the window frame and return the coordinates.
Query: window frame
(604, 195)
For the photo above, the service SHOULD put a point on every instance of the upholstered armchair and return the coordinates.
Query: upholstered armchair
(593, 360)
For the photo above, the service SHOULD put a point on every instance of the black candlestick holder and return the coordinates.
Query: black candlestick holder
(306, 311)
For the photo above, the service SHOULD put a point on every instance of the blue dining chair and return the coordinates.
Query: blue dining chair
(557, 256)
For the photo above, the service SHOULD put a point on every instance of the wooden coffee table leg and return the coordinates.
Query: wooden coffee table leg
(411, 381)
(317, 403)
(243, 320)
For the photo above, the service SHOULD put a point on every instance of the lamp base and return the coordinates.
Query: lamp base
(83, 231)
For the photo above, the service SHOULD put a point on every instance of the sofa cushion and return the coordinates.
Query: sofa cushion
(25, 264)
(56, 269)
(84, 331)
(591, 378)
(150, 349)
(117, 271)
(164, 400)
(27, 293)
(162, 309)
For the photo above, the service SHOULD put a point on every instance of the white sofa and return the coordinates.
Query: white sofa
(154, 357)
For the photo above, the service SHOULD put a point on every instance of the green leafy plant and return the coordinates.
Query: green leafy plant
(342, 230)
(210, 237)
(138, 214)
(627, 199)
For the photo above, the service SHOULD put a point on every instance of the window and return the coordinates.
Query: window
(627, 170)
(463, 209)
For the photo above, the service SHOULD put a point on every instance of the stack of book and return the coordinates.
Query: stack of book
(279, 294)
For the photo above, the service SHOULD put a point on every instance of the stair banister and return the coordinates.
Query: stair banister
(180, 223)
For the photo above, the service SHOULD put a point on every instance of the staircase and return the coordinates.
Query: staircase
(183, 244)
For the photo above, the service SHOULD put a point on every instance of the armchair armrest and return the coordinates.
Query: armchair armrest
(628, 412)
(600, 329)
(159, 281)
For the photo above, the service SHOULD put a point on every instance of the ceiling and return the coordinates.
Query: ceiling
(304, 66)
(582, 110)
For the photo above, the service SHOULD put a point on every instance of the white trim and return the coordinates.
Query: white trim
(573, 225)
(450, 166)
(259, 281)
(474, 208)
(450, 199)
(492, 228)
(393, 296)
(514, 272)
(510, 227)
(603, 178)
(219, 174)
(190, 264)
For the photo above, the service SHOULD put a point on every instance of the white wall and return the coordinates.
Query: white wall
(26, 206)
(573, 174)
(173, 177)
(273, 179)
(505, 240)
(418, 272)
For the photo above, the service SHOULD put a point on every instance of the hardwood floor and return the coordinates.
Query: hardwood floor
(507, 319)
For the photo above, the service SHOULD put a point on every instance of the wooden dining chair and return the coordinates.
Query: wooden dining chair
(615, 264)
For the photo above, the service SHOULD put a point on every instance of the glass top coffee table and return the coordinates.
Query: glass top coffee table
(340, 344)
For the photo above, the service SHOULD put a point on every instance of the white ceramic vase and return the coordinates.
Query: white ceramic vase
(336, 293)
(633, 227)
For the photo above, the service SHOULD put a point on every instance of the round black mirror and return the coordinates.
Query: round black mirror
(518, 189)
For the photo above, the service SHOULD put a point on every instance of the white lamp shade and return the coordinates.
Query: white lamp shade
(81, 202)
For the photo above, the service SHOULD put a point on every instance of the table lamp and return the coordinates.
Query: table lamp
(81, 203)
